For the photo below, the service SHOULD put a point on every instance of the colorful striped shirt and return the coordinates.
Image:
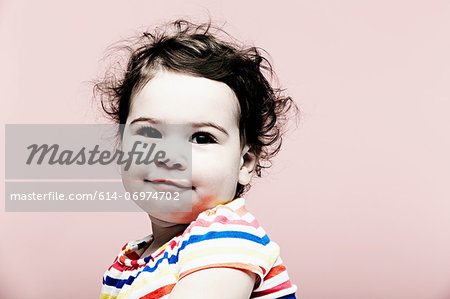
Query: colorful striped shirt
(225, 236)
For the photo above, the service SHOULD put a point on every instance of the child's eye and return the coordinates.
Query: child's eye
(149, 132)
(202, 138)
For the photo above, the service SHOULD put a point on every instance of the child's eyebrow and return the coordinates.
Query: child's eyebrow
(195, 125)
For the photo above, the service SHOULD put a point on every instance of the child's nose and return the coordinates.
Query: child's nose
(171, 164)
(177, 156)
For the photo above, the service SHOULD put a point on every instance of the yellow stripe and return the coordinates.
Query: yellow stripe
(137, 285)
(106, 296)
(201, 253)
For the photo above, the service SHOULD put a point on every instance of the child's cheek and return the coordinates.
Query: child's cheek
(208, 160)
(135, 172)
(203, 159)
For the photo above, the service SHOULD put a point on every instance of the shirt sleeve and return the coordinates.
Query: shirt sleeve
(225, 238)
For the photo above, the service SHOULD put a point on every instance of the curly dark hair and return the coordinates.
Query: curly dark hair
(185, 47)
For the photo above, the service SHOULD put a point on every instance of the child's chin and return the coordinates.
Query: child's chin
(172, 217)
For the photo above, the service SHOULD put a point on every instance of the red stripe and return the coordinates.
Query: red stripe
(172, 244)
(158, 293)
(239, 266)
(118, 266)
(161, 252)
(285, 285)
(134, 263)
(132, 255)
(221, 219)
(241, 211)
(121, 267)
(275, 271)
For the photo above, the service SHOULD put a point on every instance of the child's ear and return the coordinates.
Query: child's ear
(247, 165)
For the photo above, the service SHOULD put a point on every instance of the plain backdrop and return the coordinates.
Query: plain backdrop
(359, 197)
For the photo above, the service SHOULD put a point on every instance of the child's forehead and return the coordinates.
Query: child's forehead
(178, 96)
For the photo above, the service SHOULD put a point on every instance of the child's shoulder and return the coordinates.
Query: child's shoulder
(227, 236)
(230, 220)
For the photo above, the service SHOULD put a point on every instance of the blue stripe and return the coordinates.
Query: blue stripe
(118, 283)
(113, 282)
(173, 259)
(291, 296)
(225, 234)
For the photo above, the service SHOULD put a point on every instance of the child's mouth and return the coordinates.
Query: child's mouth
(183, 184)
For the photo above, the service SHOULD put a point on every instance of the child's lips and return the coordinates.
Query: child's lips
(179, 183)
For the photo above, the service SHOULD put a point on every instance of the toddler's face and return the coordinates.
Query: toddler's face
(210, 110)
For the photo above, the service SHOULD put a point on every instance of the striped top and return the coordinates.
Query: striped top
(225, 236)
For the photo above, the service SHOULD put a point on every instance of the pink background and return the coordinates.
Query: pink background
(358, 199)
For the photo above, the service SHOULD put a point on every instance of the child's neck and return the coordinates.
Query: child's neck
(164, 232)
